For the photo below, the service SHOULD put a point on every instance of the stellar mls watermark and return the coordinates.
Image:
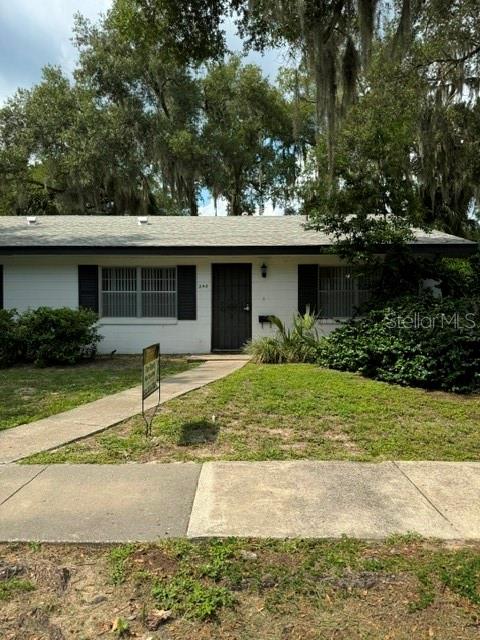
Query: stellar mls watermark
(440, 321)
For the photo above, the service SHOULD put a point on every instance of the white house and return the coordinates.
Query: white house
(192, 284)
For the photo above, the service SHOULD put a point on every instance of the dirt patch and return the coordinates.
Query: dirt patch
(343, 440)
(287, 590)
(36, 624)
(359, 580)
(8, 571)
(155, 561)
(49, 573)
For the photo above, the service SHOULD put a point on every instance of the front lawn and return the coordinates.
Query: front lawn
(277, 412)
(404, 588)
(28, 393)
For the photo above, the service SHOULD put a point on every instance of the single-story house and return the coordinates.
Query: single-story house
(194, 284)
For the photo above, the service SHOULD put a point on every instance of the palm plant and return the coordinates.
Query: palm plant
(298, 343)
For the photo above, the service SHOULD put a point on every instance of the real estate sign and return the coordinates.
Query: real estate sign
(151, 370)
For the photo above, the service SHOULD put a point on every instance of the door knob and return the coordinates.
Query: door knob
(247, 308)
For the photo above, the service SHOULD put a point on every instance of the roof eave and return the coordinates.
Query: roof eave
(451, 249)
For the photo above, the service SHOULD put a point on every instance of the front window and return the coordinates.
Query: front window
(340, 291)
(119, 292)
(139, 292)
(159, 293)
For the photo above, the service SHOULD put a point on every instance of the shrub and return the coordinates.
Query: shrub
(413, 341)
(402, 271)
(459, 277)
(298, 344)
(9, 341)
(57, 336)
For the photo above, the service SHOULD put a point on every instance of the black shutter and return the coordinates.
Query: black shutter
(88, 286)
(187, 292)
(1, 286)
(307, 288)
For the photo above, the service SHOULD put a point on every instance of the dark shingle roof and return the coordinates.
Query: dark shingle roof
(281, 234)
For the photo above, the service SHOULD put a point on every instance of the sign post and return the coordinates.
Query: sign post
(150, 381)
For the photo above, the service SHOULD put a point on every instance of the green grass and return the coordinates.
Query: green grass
(118, 557)
(404, 587)
(191, 598)
(13, 586)
(280, 412)
(206, 576)
(28, 393)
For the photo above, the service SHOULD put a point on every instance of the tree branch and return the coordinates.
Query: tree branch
(45, 186)
(451, 60)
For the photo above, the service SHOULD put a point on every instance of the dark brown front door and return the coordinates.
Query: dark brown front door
(231, 306)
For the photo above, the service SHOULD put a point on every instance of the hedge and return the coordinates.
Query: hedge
(416, 341)
(47, 336)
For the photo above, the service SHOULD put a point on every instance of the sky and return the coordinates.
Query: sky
(34, 33)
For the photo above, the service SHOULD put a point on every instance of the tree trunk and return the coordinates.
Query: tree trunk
(236, 196)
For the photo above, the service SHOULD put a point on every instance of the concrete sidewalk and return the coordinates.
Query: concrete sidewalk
(145, 502)
(57, 430)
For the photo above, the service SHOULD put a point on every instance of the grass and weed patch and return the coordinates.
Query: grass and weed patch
(290, 412)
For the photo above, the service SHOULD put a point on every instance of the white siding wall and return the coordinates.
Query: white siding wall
(277, 294)
(32, 281)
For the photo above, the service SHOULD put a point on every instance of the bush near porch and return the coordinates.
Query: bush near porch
(47, 336)
(416, 341)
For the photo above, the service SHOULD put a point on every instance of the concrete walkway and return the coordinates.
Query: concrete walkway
(145, 502)
(55, 431)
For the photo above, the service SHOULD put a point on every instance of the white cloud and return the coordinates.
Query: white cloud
(36, 33)
(33, 34)
(208, 209)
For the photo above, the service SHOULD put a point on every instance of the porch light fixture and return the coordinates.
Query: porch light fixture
(263, 270)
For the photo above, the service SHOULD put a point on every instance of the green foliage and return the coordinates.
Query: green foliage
(158, 131)
(446, 56)
(460, 276)
(248, 137)
(221, 564)
(386, 117)
(174, 24)
(118, 557)
(401, 271)
(48, 166)
(461, 574)
(297, 344)
(9, 340)
(192, 598)
(57, 336)
(406, 151)
(370, 197)
(459, 571)
(415, 341)
(396, 539)
(47, 336)
(13, 586)
(121, 628)
(426, 590)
